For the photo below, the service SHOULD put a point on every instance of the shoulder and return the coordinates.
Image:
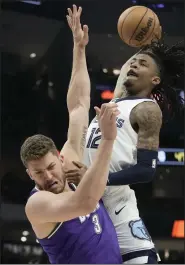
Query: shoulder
(41, 203)
(36, 202)
(34, 207)
(43, 206)
(146, 113)
(147, 107)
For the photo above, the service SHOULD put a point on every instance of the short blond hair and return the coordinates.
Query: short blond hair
(35, 147)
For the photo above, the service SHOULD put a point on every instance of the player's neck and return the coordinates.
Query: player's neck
(120, 93)
(141, 94)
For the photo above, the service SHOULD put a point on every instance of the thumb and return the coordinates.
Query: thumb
(97, 110)
(85, 29)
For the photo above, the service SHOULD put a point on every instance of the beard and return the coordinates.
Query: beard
(129, 87)
(57, 188)
(127, 83)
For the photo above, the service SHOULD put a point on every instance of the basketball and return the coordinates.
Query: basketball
(138, 25)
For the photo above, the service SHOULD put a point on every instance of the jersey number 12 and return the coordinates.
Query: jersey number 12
(92, 143)
(94, 138)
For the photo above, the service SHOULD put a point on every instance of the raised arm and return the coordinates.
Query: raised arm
(148, 118)
(78, 97)
(43, 207)
(120, 90)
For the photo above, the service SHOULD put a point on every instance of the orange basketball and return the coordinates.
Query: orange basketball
(138, 25)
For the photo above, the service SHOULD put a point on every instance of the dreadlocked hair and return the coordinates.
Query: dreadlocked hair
(170, 62)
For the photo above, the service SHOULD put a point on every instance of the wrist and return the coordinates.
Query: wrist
(107, 141)
(79, 47)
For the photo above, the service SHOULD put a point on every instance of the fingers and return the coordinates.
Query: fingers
(72, 175)
(114, 109)
(109, 109)
(73, 17)
(86, 31)
(98, 110)
(76, 182)
(79, 11)
(70, 12)
(72, 171)
(69, 21)
(78, 164)
(114, 115)
(77, 17)
(74, 10)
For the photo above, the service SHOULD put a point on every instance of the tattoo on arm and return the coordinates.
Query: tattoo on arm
(83, 139)
(148, 117)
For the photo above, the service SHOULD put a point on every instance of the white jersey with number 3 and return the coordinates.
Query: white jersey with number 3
(120, 201)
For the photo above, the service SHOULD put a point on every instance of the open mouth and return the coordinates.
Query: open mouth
(132, 73)
(52, 184)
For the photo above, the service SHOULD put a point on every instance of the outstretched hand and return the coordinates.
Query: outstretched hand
(107, 120)
(80, 34)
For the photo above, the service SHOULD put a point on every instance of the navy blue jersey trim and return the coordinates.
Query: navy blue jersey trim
(139, 253)
(130, 98)
(33, 191)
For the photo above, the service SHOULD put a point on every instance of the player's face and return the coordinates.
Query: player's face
(142, 75)
(47, 173)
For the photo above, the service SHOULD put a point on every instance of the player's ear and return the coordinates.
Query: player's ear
(27, 171)
(156, 80)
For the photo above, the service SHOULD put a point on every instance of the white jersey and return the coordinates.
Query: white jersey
(120, 201)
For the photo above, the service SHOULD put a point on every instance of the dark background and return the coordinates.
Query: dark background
(34, 100)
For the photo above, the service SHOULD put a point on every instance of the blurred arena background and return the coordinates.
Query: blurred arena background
(36, 60)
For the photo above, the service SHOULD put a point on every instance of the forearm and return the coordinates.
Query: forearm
(78, 102)
(120, 90)
(143, 171)
(78, 125)
(94, 181)
(132, 175)
(79, 87)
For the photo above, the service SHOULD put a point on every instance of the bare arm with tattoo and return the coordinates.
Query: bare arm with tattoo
(147, 117)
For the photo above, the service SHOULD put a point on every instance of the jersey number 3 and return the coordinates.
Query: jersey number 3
(96, 222)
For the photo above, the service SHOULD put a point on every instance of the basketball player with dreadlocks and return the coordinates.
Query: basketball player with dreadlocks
(144, 94)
